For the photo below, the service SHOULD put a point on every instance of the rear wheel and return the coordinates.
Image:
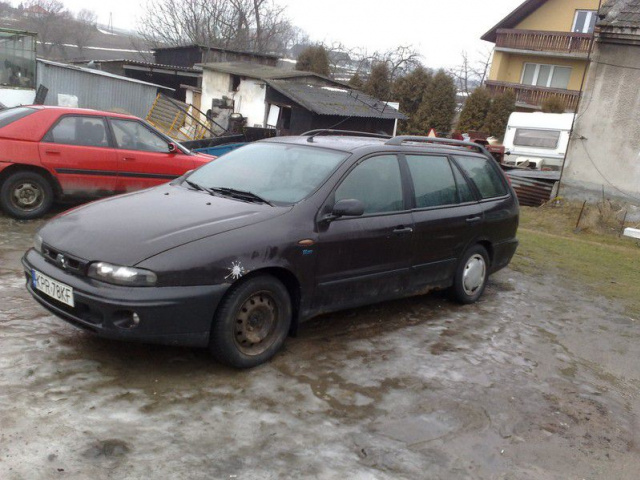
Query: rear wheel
(471, 275)
(26, 195)
(251, 323)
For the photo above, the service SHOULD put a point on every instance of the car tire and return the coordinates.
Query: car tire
(471, 275)
(26, 195)
(251, 323)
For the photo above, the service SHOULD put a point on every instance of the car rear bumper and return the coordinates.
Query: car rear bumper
(167, 315)
(503, 253)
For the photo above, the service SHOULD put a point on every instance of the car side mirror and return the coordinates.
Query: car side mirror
(349, 207)
(173, 148)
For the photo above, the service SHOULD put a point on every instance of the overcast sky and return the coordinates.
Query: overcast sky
(439, 29)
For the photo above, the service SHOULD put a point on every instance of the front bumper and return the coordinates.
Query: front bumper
(168, 315)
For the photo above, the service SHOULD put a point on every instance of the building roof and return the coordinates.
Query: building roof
(257, 70)
(93, 71)
(343, 102)
(220, 49)
(140, 63)
(514, 18)
(620, 13)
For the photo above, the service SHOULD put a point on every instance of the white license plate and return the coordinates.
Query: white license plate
(57, 290)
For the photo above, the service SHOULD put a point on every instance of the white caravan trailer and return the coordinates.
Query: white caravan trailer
(537, 140)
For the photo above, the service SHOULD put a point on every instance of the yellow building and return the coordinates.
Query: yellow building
(541, 50)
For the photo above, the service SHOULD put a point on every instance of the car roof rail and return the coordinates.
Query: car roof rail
(329, 131)
(446, 142)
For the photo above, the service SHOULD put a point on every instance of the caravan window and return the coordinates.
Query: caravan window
(529, 137)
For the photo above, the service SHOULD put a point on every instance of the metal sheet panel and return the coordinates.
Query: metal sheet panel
(96, 91)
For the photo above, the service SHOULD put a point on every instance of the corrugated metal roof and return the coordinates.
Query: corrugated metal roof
(219, 49)
(335, 101)
(620, 13)
(139, 63)
(256, 70)
(92, 71)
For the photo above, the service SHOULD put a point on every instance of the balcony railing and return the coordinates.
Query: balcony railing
(575, 44)
(532, 97)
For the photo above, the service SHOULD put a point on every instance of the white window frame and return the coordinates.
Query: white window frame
(590, 14)
(537, 72)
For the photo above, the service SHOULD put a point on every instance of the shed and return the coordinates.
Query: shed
(70, 85)
(297, 107)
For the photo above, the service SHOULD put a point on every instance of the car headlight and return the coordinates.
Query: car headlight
(37, 243)
(121, 275)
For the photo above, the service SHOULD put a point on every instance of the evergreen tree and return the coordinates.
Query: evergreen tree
(378, 84)
(503, 105)
(408, 90)
(475, 110)
(314, 59)
(356, 82)
(438, 106)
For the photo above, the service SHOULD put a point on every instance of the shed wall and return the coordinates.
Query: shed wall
(96, 91)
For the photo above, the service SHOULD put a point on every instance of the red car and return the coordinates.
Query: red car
(49, 153)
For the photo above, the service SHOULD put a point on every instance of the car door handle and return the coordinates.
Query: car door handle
(52, 152)
(401, 230)
(129, 159)
(475, 219)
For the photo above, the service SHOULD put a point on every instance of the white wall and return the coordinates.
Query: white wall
(249, 99)
(13, 97)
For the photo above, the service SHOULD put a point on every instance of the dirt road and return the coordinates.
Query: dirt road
(537, 381)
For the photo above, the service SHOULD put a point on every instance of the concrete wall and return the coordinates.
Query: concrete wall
(249, 99)
(556, 15)
(609, 120)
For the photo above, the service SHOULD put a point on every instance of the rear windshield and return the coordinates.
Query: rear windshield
(13, 114)
(529, 137)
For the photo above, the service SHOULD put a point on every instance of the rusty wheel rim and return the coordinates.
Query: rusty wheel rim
(27, 196)
(255, 324)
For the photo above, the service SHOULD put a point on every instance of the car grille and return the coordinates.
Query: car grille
(64, 261)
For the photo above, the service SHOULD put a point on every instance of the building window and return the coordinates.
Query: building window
(584, 21)
(541, 75)
(18, 68)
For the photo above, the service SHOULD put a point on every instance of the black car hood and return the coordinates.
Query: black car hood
(130, 228)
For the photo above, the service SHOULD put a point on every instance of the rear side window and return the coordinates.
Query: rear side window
(79, 130)
(13, 114)
(376, 182)
(529, 137)
(433, 181)
(486, 178)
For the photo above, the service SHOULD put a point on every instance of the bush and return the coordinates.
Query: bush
(553, 104)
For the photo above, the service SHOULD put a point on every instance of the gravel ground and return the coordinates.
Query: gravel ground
(536, 381)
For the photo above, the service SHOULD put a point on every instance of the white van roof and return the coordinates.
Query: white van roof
(555, 121)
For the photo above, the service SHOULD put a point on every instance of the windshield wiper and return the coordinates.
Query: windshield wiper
(240, 195)
(200, 187)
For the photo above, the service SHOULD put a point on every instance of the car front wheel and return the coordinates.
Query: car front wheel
(471, 275)
(26, 195)
(251, 323)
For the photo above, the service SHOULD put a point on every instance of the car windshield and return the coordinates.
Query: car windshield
(277, 173)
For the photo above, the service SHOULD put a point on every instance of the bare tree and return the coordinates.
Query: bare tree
(470, 74)
(256, 25)
(49, 19)
(85, 28)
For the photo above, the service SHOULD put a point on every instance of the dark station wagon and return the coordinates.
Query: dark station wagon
(234, 255)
